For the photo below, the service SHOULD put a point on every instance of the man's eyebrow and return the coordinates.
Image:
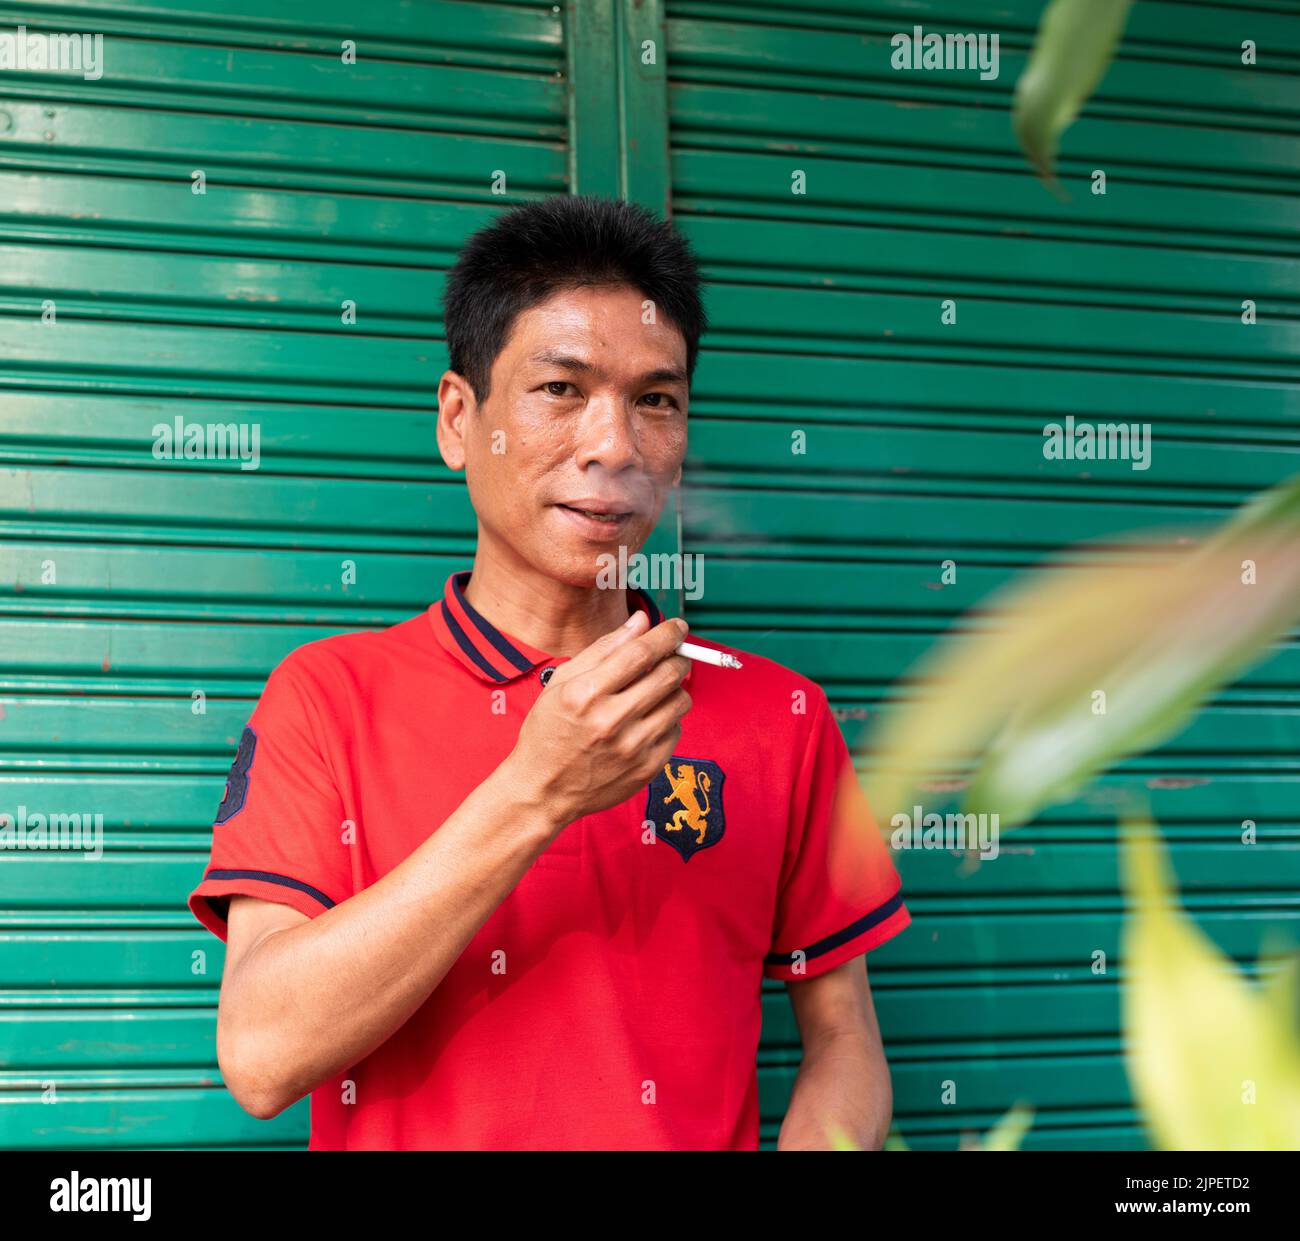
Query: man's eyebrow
(664, 374)
(553, 357)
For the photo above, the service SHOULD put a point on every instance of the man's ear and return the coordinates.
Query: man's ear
(455, 404)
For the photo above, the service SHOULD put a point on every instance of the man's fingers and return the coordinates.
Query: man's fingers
(625, 655)
(643, 695)
(633, 660)
(592, 655)
(647, 733)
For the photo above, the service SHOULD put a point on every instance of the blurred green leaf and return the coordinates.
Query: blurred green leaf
(1076, 40)
(1214, 1060)
(1009, 1132)
(841, 1141)
(1190, 628)
(1006, 1135)
(1155, 638)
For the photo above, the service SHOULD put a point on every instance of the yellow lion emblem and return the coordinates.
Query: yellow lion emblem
(682, 788)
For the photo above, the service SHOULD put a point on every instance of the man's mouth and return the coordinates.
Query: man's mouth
(600, 512)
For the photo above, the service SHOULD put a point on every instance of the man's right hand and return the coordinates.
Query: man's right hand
(606, 722)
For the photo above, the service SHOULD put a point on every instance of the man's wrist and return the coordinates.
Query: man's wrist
(523, 804)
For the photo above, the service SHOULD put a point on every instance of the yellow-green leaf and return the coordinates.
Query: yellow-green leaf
(1076, 40)
(1072, 669)
(1009, 1132)
(1214, 1060)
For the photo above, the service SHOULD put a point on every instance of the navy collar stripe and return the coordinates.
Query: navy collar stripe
(484, 649)
(462, 641)
(486, 628)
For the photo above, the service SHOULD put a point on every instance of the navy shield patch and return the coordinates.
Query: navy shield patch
(232, 800)
(685, 804)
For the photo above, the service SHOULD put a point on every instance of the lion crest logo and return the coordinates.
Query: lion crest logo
(685, 805)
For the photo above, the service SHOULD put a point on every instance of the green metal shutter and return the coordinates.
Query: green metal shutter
(924, 443)
(325, 187)
(326, 183)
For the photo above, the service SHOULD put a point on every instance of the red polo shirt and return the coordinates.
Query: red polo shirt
(613, 999)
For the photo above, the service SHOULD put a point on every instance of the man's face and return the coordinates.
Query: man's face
(587, 411)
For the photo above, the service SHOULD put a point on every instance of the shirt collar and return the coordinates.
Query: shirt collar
(490, 654)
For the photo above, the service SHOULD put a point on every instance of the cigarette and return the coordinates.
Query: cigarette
(719, 659)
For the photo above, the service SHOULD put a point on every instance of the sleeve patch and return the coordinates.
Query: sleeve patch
(232, 801)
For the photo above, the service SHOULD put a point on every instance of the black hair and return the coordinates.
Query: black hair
(563, 242)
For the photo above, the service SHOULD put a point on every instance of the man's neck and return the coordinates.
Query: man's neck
(539, 611)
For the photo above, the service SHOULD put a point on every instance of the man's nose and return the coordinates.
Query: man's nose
(608, 434)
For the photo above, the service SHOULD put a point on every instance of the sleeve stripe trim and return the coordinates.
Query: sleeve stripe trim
(267, 877)
(852, 931)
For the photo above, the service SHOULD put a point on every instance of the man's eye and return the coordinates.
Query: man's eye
(661, 400)
(557, 383)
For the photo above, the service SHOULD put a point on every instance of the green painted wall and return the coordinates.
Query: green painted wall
(127, 584)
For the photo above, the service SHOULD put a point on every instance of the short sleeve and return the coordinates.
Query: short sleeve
(280, 831)
(840, 893)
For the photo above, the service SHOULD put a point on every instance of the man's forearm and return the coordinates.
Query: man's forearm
(843, 1086)
(307, 1002)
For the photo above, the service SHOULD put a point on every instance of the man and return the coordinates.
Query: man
(509, 874)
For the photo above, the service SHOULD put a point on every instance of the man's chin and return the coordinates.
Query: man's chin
(589, 565)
